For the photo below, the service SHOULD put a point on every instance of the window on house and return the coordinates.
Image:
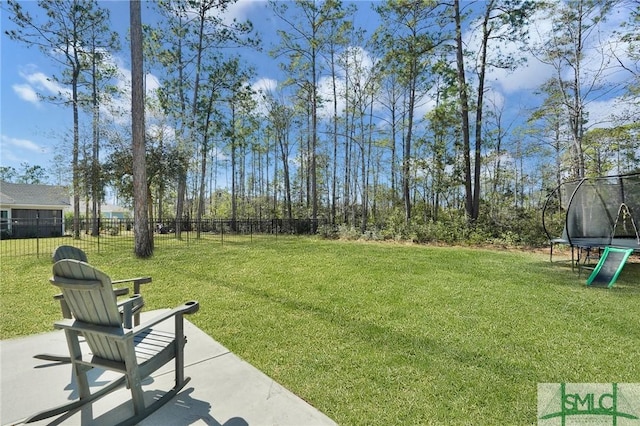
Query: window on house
(4, 220)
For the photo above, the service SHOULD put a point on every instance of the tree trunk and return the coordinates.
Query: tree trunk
(234, 190)
(464, 111)
(486, 32)
(75, 156)
(406, 159)
(143, 238)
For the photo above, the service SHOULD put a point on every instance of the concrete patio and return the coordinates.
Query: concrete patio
(224, 389)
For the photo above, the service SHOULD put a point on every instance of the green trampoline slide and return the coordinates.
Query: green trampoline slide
(609, 267)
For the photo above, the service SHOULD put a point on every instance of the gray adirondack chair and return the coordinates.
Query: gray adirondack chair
(134, 352)
(71, 252)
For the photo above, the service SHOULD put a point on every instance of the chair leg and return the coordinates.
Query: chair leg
(137, 395)
(79, 370)
(142, 411)
(133, 379)
(181, 341)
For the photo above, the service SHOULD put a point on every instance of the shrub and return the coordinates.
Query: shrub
(348, 232)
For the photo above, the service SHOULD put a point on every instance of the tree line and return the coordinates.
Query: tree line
(394, 128)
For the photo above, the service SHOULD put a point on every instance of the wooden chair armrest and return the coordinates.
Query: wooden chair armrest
(129, 307)
(120, 333)
(137, 282)
(121, 291)
(79, 326)
(117, 291)
(186, 308)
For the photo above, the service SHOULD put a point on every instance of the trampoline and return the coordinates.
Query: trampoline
(593, 213)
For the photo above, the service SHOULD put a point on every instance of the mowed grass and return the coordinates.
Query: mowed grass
(381, 333)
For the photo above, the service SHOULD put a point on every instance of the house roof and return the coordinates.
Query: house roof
(20, 194)
(107, 208)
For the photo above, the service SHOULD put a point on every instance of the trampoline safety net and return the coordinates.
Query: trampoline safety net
(597, 212)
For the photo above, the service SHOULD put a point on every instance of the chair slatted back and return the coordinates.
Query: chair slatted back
(69, 252)
(91, 300)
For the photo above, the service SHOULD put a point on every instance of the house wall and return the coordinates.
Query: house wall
(29, 223)
(113, 215)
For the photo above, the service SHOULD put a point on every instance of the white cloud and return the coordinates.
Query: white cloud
(602, 112)
(360, 63)
(533, 73)
(118, 109)
(7, 158)
(359, 57)
(38, 83)
(265, 85)
(529, 76)
(152, 83)
(26, 93)
(219, 154)
(325, 93)
(161, 131)
(494, 100)
(24, 144)
(43, 83)
(241, 10)
(14, 151)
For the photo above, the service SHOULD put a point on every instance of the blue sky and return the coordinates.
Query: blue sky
(34, 131)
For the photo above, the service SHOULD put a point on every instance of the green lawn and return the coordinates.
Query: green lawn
(381, 333)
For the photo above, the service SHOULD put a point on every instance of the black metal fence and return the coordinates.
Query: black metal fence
(39, 237)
